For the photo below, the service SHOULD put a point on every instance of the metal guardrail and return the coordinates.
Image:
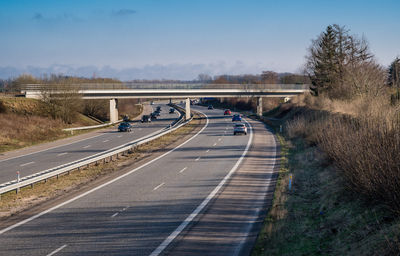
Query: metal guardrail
(55, 171)
(90, 127)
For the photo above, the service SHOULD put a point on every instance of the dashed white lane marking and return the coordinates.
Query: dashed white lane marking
(207, 151)
(115, 214)
(106, 140)
(219, 139)
(26, 164)
(183, 170)
(197, 159)
(159, 186)
(61, 154)
(215, 144)
(59, 249)
(86, 146)
(119, 136)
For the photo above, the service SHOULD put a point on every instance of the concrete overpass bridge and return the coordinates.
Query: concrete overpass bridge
(113, 92)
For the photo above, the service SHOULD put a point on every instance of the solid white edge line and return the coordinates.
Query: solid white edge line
(256, 213)
(55, 251)
(61, 154)
(159, 186)
(203, 204)
(103, 185)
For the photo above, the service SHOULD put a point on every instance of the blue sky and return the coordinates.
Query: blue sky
(181, 38)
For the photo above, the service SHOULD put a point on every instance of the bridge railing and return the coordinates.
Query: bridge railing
(160, 86)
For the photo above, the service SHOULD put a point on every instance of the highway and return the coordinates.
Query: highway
(43, 160)
(159, 207)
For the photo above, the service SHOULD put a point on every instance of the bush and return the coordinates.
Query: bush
(3, 108)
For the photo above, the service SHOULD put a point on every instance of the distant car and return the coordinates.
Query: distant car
(227, 112)
(156, 113)
(239, 128)
(125, 127)
(236, 117)
(153, 116)
(152, 103)
(126, 118)
(171, 110)
(210, 107)
(145, 119)
(158, 109)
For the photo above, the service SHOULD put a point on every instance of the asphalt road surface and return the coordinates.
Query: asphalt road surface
(163, 206)
(53, 157)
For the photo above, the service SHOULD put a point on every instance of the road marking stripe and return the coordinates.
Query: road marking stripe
(197, 159)
(119, 136)
(199, 208)
(61, 154)
(183, 170)
(26, 164)
(115, 214)
(86, 146)
(59, 249)
(215, 144)
(104, 184)
(159, 186)
(219, 139)
(207, 151)
(106, 140)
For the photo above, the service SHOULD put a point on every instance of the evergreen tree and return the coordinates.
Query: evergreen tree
(394, 73)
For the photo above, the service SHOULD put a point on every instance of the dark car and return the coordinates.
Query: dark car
(126, 118)
(145, 119)
(210, 107)
(236, 117)
(153, 116)
(156, 113)
(227, 112)
(125, 127)
(171, 110)
(158, 109)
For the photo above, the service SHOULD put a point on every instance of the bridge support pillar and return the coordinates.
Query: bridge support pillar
(187, 108)
(259, 107)
(113, 110)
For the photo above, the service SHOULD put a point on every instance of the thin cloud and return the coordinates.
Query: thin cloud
(123, 12)
(37, 16)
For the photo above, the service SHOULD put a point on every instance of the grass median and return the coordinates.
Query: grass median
(12, 203)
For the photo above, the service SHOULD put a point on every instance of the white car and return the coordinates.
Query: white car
(239, 128)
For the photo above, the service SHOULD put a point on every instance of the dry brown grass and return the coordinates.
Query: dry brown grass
(362, 137)
(18, 131)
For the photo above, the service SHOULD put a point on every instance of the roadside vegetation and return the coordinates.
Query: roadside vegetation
(343, 148)
(25, 122)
